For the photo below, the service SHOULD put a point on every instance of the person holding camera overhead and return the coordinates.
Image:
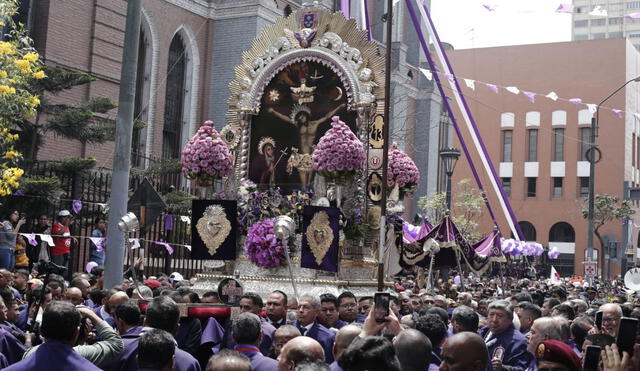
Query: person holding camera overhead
(8, 232)
(61, 239)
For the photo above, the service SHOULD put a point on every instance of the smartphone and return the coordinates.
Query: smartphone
(591, 358)
(381, 306)
(627, 334)
(599, 320)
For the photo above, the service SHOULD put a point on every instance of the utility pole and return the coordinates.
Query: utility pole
(116, 240)
(385, 147)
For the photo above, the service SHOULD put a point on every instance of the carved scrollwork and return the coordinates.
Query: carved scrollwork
(281, 44)
(333, 42)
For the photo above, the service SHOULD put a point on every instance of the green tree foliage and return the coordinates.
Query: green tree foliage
(467, 208)
(607, 208)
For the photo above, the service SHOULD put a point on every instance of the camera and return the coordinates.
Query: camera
(46, 268)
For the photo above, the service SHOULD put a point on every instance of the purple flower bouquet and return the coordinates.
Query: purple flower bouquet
(263, 248)
(402, 171)
(339, 153)
(206, 156)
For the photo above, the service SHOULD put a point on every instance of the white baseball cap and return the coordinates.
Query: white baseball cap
(64, 213)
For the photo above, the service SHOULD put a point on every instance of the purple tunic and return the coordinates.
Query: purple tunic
(322, 335)
(54, 354)
(515, 348)
(258, 361)
(268, 334)
(335, 366)
(213, 333)
(128, 359)
(10, 347)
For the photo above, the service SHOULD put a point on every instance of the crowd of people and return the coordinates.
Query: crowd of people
(16, 252)
(49, 323)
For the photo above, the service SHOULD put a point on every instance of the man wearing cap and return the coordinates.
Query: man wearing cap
(507, 346)
(557, 356)
(61, 239)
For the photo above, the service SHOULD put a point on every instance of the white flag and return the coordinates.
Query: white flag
(599, 11)
(553, 96)
(554, 277)
(592, 108)
(637, 116)
(427, 73)
(47, 238)
(471, 84)
(513, 89)
(135, 243)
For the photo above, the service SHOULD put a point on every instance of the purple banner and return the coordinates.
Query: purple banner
(320, 238)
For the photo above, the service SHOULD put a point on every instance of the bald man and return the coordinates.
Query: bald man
(282, 336)
(465, 351)
(344, 337)
(298, 350)
(106, 311)
(229, 360)
(74, 295)
(413, 349)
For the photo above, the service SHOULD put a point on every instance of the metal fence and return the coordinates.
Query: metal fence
(92, 188)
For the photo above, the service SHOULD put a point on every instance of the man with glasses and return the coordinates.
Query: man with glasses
(611, 315)
(328, 316)
(308, 308)
(347, 307)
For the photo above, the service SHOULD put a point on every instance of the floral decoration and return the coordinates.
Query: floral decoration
(402, 171)
(206, 156)
(262, 246)
(339, 153)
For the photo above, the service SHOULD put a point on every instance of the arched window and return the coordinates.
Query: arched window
(141, 104)
(528, 230)
(562, 232)
(174, 99)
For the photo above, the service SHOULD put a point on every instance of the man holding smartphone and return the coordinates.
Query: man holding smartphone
(611, 315)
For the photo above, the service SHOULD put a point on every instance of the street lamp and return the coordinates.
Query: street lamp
(591, 157)
(449, 158)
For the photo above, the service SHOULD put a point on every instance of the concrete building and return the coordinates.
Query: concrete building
(539, 148)
(613, 26)
(188, 52)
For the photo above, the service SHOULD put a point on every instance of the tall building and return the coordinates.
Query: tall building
(539, 148)
(613, 26)
(187, 55)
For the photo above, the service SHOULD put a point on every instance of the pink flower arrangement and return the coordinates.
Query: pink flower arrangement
(339, 152)
(262, 246)
(402, 171)
(206, 156)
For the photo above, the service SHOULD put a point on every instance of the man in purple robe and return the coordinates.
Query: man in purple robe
(507, 346)
(106, 310)
(247, 333)
(308, 308)
(344, 337)
(277, 308)
(252, 303)
(156, 351)
(328, 315)
(60, 328)
(162, 313)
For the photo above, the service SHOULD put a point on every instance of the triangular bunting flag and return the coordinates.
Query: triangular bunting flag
(531, 96)
(553, 96)
(492, 87)
(592, 108)
(575, 100)
(599, 11)
(427, 73)
(513, 90)
(565, 8)
(471, 84)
